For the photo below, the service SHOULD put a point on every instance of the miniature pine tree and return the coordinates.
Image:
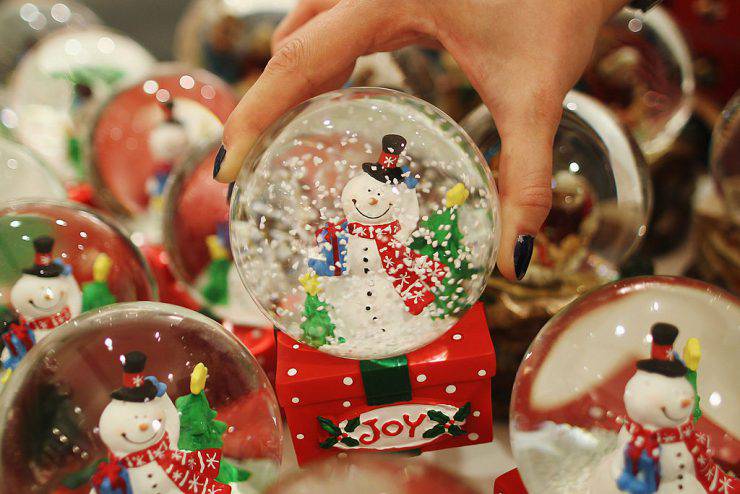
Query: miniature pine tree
(216, 290)
(317, 325)
(199, 428)
(440, 238)
(96, 293)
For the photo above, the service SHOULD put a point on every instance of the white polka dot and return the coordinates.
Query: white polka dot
(457, 336)
(299, 436)
(473, 436)
(421, 378)
(348, 381)
(450, 389)
(296, 347)
(482, 372)
(292, 371)
(295, 399)
(346, 404)
(476, 413)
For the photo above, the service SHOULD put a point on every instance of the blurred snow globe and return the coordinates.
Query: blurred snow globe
(601, 198)
(142, 395)
(24, 175)
(364, 223)
(631, 386)
(23, 23)
(60, 80)
(641, 68)
(725, 157)
(231, 38)
(197, 241)
(140, 134)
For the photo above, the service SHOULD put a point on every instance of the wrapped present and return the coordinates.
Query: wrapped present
(332, 241)
(433, 398)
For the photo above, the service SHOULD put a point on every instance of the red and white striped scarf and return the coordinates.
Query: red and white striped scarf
(48, 322)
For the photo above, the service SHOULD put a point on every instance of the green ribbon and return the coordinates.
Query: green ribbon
(386, 380)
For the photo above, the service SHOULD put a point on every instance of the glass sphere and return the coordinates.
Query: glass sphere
(58, 260)
(24, 175)
(725, 156)
(61, 79)
(130, 371)
(23, 23)
(152, 123)
(601, 195)
(642, 69)
(196, 239)
(341, 180)
(231, 38)
(580, 379)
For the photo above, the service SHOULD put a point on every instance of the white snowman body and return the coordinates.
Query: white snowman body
(654, 401)
(363, 302)
(36, 297)
(128, 427)
(167, 141)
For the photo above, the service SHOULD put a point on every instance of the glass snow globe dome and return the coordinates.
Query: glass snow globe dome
(364, 223)
(725, 157)
(93, 399)
(24, 175)
(631, 357)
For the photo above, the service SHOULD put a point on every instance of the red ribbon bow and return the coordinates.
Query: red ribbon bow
(111, 472)
(331, 234)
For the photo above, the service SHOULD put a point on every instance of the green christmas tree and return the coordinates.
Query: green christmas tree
(96, 293)
(440, 238)
(317, 326)
(216, 290)
(199, 428)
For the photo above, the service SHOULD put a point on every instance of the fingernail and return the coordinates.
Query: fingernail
(522, 254)
(231, 191)
(219, 159)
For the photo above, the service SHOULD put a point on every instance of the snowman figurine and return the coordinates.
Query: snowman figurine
(140, 427)
(658, 449)
(47, 294)
(373, 282)
(167, 142)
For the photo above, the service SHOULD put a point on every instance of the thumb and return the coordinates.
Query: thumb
(525, 176)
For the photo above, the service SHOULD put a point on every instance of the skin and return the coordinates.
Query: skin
(522, 56)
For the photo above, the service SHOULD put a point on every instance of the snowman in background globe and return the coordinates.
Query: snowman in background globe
(167, 142)
(374, 286)
(658, 449)
(141, 428)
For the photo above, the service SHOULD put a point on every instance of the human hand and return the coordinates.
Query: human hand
(521, 56)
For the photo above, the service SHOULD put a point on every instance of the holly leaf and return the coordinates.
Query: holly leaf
(328, 443)
(463, 413)
(438, 416)
(352, 424)
(435, 431)
(456, 430)
(329, 426)
(350, 441)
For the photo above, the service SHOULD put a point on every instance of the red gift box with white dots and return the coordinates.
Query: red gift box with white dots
(325, 402)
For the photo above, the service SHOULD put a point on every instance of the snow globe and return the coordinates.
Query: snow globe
(140, 398)
(24, 23)
(59, 82)
(230, 38)
(365, 223)
(641, 68)
(59, 260)
(24, 175)
(152, 124)
(627, 390)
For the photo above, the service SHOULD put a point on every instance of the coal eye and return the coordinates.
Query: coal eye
(378, 194)
(369, 190)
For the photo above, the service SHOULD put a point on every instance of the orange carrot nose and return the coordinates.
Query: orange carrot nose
(686, 403)
(143, 426)
(373, 201)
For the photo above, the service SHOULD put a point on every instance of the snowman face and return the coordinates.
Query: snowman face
(126, 427)
(34, 296)
(370, 202)
(657, 400)
(167, 141)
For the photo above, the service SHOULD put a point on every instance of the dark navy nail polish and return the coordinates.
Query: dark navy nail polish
(231, 191)
(522, 254)
(219, 159)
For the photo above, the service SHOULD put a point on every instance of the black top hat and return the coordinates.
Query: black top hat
(135, 387)
(661, 359)
(386, 169)
(44, 265)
